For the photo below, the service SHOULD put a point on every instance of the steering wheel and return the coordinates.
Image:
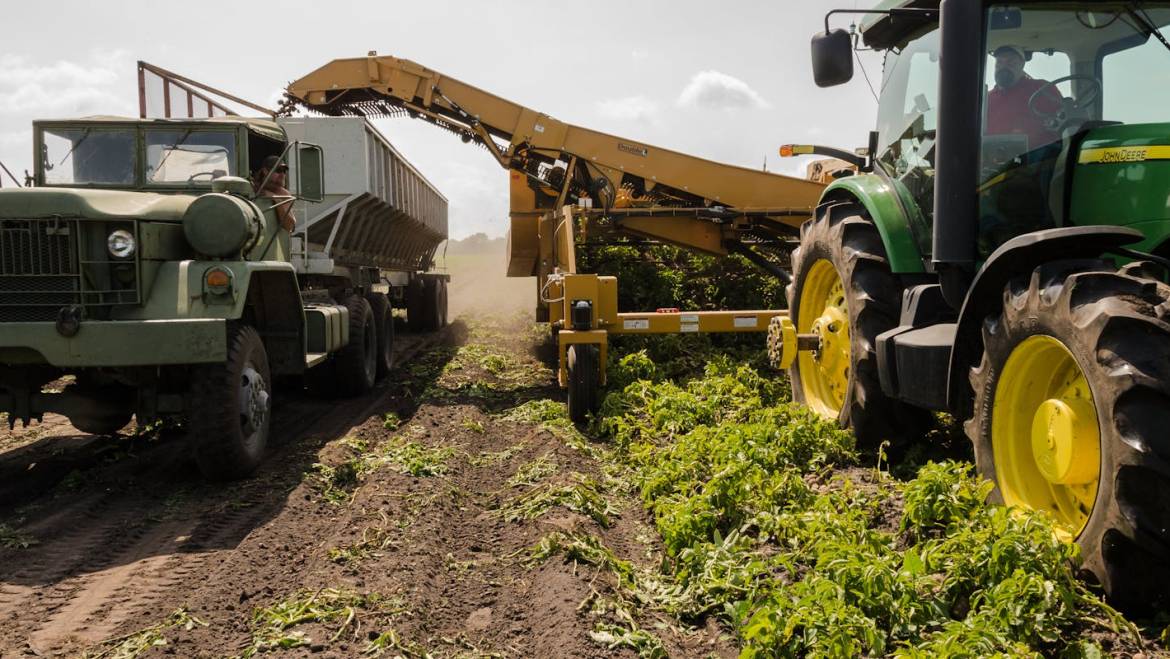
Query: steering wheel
(1056, 119)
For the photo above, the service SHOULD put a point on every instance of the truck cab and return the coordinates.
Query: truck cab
(134, 265)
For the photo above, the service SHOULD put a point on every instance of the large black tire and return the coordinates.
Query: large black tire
(842, 235)
(384, 326)
(416, 305)
(435, 304)
(231, 409)
(1113, 328)
(584, 365)
(355, 367)
(443, 317)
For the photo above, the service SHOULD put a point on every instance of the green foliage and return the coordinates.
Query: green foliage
(416, 459)
(10, 538)
(391, 421)
(533, 472)
(804, 564)
(139, 642)
(582, 497)
(275, 627)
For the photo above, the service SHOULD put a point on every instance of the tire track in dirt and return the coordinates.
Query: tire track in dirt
(109, 556)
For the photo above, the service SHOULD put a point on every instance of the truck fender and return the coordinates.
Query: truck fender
(1018, 256)
(272, 304)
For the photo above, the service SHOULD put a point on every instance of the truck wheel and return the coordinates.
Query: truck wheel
(1070, 418)
(355, 367)
(384, 325)
(583, 362)
(443, 319)
(231, 409)
(416, 313)
(842, 289)
(432, 305)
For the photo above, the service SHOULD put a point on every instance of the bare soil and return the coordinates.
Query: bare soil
(103, 540)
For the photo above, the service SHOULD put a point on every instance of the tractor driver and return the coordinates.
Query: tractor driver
(1010, 108)
(276, 188)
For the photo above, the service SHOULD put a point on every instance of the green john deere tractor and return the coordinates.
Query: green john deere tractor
(1001, 253)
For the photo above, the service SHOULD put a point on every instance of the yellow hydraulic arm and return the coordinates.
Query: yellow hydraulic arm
(639, 189)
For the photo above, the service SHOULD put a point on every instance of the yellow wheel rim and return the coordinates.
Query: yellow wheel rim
(824, 373)
(1045, 437)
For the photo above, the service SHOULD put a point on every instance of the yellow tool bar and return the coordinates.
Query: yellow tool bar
(686, 322)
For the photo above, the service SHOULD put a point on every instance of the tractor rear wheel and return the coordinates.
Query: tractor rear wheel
(843, 290)
(584, 365)
(1070, 418)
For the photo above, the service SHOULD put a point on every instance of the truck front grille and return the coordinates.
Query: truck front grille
(39, 269)
(49, 263)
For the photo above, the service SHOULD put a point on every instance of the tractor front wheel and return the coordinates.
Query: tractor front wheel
(843, 291)
(1070, 418)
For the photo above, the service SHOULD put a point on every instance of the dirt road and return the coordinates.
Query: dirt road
(401, 523)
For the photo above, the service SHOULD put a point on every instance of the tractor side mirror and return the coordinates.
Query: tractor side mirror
(310, 172)
(832, 58)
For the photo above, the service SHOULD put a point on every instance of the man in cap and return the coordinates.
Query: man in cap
(1008, 109)
(273, 175)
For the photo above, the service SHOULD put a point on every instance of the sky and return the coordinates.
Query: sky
(729, 81)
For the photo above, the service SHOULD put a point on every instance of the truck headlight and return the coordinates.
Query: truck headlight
(121, 244)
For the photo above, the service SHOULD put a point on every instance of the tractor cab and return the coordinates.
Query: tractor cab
(1064, 92)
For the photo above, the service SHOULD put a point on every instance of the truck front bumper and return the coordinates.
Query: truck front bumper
(114, 343)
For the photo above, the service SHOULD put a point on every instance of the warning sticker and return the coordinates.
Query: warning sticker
(688, 327)
(636, 324)
(689, 318)
(744, 321)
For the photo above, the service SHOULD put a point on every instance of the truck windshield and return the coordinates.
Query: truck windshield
(189, 156)
(78, 156)
(1053, 71)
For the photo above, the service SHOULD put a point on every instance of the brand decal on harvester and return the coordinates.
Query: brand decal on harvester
(631, 148)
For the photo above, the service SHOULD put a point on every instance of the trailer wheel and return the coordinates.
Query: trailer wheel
(843, 290)
(416, 305)
(355, 367)
(583, 363)
(1070, 418)
(435, 297)
(231, 409)
(384, 326)
(443, 318)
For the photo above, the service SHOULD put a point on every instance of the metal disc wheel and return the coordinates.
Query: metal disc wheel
(1044, 433)
(231, 409)
(584, 366)
(1070, 418)
(843, 291)
(824, 373)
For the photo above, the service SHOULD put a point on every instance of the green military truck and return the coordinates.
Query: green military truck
(143, 264)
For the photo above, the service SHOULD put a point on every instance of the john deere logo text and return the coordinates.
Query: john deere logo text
(1123, 155)
(636, 150)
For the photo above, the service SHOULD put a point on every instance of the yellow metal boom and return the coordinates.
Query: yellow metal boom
(637, 188)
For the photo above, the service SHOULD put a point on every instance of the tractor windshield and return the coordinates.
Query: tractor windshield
(1054, 71)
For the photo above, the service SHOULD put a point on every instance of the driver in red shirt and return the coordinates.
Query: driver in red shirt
(1008, 111)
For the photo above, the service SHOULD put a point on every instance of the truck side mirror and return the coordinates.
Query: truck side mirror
(310, 172)
(832, 58)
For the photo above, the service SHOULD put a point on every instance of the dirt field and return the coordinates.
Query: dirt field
(377, 525)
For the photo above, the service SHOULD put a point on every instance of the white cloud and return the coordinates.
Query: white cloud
(630, 108)
(100, 82)
(719, 91)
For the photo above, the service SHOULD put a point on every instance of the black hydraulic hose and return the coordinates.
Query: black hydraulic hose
(761, 262)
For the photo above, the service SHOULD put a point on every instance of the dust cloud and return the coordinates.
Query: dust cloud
(479, 283)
